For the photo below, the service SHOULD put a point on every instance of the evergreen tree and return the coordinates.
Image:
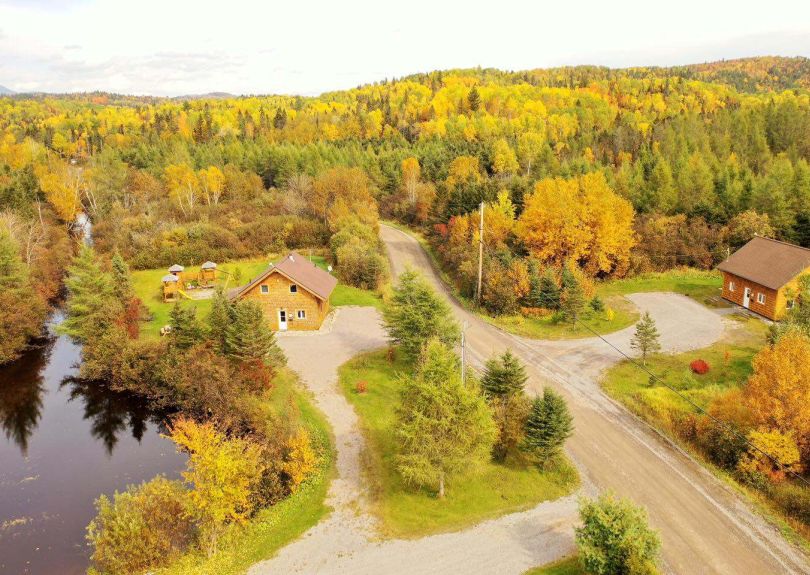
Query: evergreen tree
(219, 318)
(645, 339)
(503, 376)
(415, 314)
(474, 99)
(186, 330)
(549, 294)
(120, 273)
(280, 119)
(572, 299)
(249, 338)
(90, 289)
(443, 426)
(21, 311)
(597, 304)
(548, 425)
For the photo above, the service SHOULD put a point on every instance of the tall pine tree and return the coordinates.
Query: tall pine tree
(548, 425)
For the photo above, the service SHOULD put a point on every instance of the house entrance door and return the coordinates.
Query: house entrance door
(282, 320)
(747, 297)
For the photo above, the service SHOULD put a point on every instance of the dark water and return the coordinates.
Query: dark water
(63, 443)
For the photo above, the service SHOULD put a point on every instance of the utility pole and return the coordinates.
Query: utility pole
(480, 254)
(463, 355)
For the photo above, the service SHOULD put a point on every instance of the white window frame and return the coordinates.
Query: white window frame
(760, 298)
(301, 314)
(265, 289)
(731, 286)
(293, 288)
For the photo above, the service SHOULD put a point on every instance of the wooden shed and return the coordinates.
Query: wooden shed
(763, 276)
(294, 293)
(171, 287)
(208, 274)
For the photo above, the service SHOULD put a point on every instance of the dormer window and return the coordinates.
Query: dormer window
(293, 288)
(265, 289)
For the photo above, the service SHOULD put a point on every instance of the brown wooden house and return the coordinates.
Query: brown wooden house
(294, 293)
(763, 276)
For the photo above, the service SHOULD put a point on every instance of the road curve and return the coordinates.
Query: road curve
(705, 526)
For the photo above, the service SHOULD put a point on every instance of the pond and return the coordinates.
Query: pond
(63, 443)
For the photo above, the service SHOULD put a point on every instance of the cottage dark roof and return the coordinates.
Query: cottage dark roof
(176, 268)
(303, 272)
(768, 262)
(209, 266)
(169, 278)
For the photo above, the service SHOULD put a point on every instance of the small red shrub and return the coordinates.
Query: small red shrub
(361, 386)
(699, 366)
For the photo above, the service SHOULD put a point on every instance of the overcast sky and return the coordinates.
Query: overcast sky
(170, 48)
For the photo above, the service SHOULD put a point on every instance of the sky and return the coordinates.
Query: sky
(172, 48)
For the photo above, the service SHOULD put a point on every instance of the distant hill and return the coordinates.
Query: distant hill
(6, 91)
(208, 96)
(753, 74)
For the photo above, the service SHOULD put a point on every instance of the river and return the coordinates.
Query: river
(63, 443)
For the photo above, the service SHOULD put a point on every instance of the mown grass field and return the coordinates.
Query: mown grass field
(274, 527)
(404, 511)
(730, 364)
(567, 566)
(149, 289)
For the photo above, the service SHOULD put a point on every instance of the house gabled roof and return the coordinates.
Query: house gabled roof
(300, 270)
(768, 262)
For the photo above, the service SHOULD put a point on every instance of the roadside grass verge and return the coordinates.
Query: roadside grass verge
(273, 527)
(730, 365)
(567, 566)
(403, 511)
(702, 286)
(148, 287)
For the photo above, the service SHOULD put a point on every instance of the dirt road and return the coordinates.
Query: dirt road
(706, 528)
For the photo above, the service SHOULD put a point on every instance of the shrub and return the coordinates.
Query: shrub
(615, 538)
(299, 460)
(597, 304)
(699, 367)
(361, 386)
(145, 527)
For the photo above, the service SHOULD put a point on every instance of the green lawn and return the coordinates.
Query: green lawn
(409, 512)
(730, 364)
(148, 288)
(567, 566)
(274, 527)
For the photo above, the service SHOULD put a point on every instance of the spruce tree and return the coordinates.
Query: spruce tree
(597, 304)
(645, 339)
(90, 289)
(186, 330)
(572, 300)
(474, 99)
(415, 314)
(219, 318)
(548, 425)
(504, 376)
(549, 293)
(249, 338)
(442, 426)
(120, 272)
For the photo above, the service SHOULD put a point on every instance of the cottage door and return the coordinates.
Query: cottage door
(747, 297)
(282, 320)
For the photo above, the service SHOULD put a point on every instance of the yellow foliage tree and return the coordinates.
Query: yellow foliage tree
(785, 456)
(63, 186)
(299, 460)
(504, 160)
(183, 186)
(212, 184)
(462, 170)
(778, 391)
(222, 474)
(579, 219)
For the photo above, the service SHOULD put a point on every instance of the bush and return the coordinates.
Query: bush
(615, 538)
(699, 367)
(143, 528)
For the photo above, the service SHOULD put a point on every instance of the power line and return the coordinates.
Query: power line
(702, 411)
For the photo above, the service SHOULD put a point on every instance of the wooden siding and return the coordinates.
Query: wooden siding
(279, 297)
(775, 304)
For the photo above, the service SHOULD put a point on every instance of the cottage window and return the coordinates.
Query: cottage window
(760, 298)
(301, 314)
(293, 288)
(265, 289)
(730, 286)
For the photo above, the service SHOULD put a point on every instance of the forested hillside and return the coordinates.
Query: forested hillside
(678, 164)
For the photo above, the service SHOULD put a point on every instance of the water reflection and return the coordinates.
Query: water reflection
(112, 413)
(22, 387)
